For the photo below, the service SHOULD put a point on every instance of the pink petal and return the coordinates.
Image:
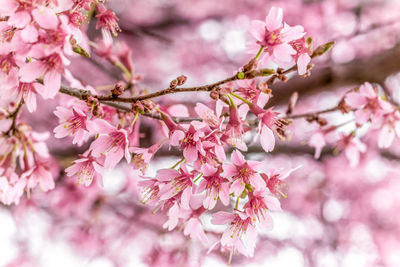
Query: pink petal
(367, 90)
(30, 100)
(249, 240)
(386, 136)
(289, 33)
(224, 194)
(267, 139)
(190, 153)
(31, 71)
(257, 29)
(208, 170)
(52, 83)
(237, 158)
(178, 110)
(19, 19)
(166, 174)
(229, 170)
(176, 137)
(317, 140)
(274, 19)
(362, 116)
(222, 217)
(266, 222)
(220, 153)
(284, 52)
(29, 34)
(355, 100)
(185, 198)
(272, 203)
(237, 187)
(45, 17)
(302, 63)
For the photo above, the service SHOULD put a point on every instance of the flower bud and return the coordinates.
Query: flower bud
(148, 105)
(173, 83)
(181, 79)
(138, 107)
(117, 90)
(214, 95)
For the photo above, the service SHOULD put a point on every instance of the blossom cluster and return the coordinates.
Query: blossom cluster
(370, 106)
(37, 39)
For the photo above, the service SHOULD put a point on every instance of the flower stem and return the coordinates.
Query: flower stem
(201, 175)
(241, 98)
(134, 119)
(176, 164)
(123, 68)
(259, 52)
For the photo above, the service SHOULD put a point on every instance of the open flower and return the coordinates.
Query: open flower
(241, 233)
(243, 173)
(85, 169)
(73, 122)
(216, 187)
(176, 182)
(112, 144)
(368, 103)
(258, 205)
(275, 37)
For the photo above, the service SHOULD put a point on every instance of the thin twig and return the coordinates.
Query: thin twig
(315, 113)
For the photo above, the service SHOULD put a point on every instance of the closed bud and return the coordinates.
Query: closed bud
(181, 79)
(214, 95)
(322, 121)
(117, 90)
(344, 108)
(240, 75)
(138, 107)
(322, 49)
(148, 105)
(251, 65)
(173, 83)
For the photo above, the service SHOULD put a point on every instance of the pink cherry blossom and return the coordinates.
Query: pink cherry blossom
(143, 156)
(112, 143)
(352, 147)
(106, 19)
(243, 173)
(303, 55)
(258, 205)
(41, 175)
(72, 123)
(176, 182)
(367, 102)
(274, 180)
(248, 89)
(241, 233)
(86, 169)
(216, 187)
(190, 141)
(267, 120)
(389, 129)
(235, 129)
(275, 37)
(50, 67)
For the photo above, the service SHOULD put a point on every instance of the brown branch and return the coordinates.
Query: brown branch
(315, 113)
(373, 69)
(166, 91)
(14, 116)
